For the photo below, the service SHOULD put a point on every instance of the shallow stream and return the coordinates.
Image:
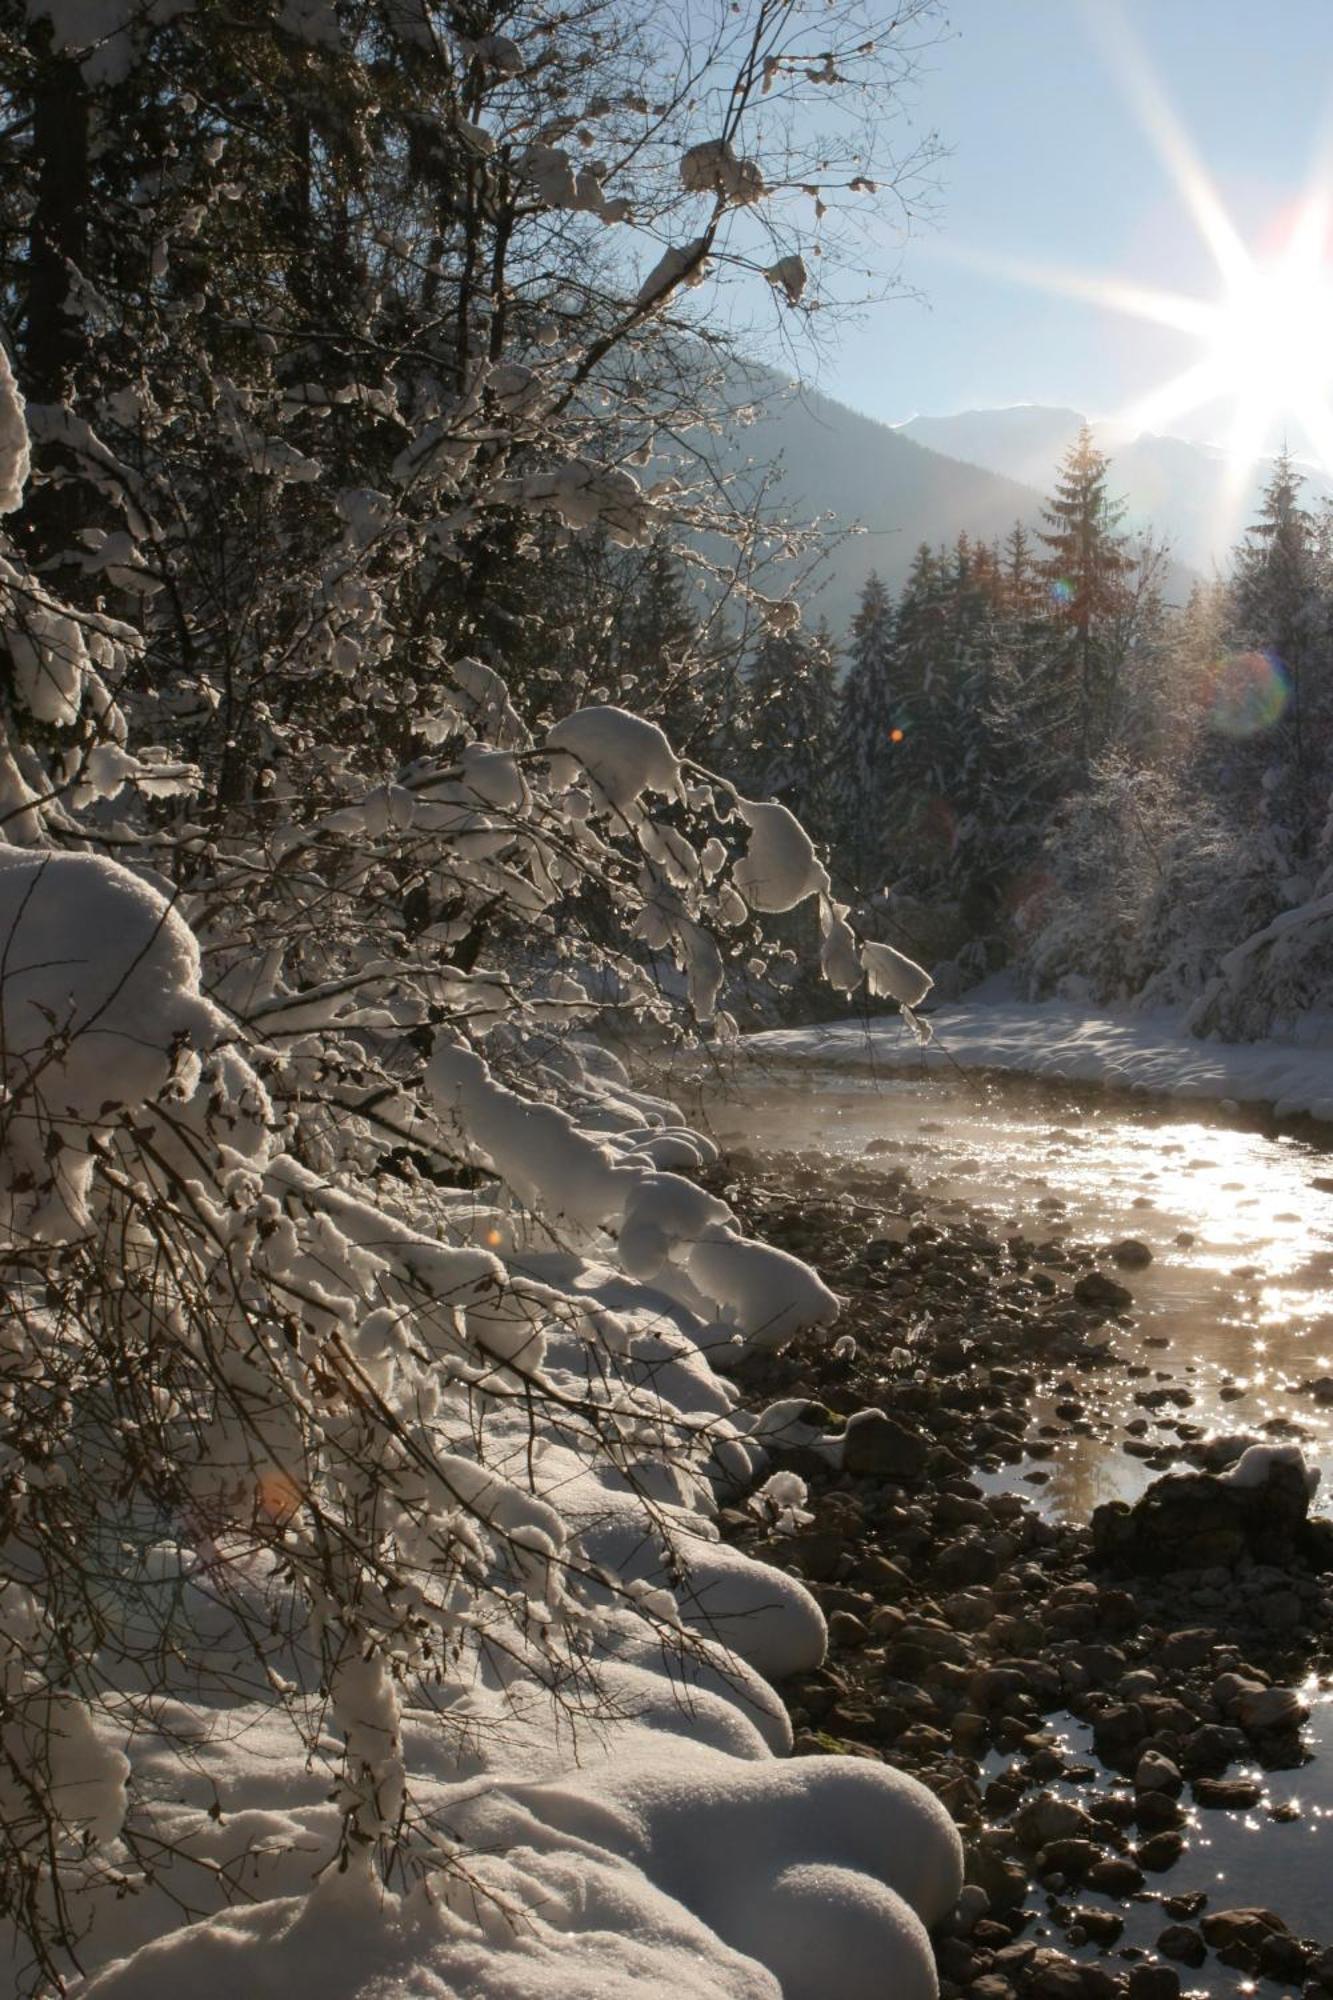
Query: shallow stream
(1234, 1316)
(1236, 1307)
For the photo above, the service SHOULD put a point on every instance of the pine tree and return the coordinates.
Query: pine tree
(791, 712)
(867, 732)
(1085, 568)
(668, 666)
(1280, 616)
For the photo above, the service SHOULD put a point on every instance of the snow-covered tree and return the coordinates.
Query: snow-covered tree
(868, 715)
(789, 695)
(1085, 568)
(360, 1383)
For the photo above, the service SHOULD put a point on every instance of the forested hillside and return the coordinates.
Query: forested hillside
(1196, 497)
(1026, 756)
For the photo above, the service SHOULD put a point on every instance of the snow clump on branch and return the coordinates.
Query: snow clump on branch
(100, 1012)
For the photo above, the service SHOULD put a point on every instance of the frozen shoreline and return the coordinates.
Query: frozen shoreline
(1065, 1043)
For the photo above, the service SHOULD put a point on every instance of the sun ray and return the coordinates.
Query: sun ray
(1123, 53)
(1201, 383)
(1264, 342)
(1172, 309)
(1244, 445)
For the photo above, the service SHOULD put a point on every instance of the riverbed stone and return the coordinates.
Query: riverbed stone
(1183, 1943)
(1161, 1851)
(1154, 1982)
(1102, 1293)
(1195, 1521)
(1115, 1875)
(1156, 1773)
(1265, 1710)
(1249, 1926)
(1191, 1647)
(877, 1447)
(1050, 1818)
(1228, 1794)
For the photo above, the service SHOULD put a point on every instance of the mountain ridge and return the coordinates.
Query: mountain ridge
(894, 487)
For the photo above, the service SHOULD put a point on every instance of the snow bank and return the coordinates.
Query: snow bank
(563, 1689)
(670, 1232)
(1122, 1049)
(1256, 1462)
(693, 1875)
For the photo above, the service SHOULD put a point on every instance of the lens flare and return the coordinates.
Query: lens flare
(1250, 693)
(895, 736)
(1062, 591)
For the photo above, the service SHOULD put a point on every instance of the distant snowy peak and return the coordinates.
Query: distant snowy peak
(1181, 489)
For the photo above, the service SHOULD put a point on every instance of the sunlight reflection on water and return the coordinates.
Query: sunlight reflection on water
(1237, 1305)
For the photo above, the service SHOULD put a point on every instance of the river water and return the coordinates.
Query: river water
(1236, 1310)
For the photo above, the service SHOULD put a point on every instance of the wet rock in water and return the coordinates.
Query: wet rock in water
(1155, 1812)
(1161, 1851)
(1264, 1711)
(1095, 1289)
(1252, 1927)
(1156, 1773)
(1131, 1253)
(1117, 1730)
(1087, 1922)
(1154, 1982)
(875, 1447)
(1283, 1958)
(1209, 1749)
(1183, 1943)
(1052, 1976)
(1047, 1819)
(1115, 1875)
(1199, 1521)
(1227, 1793)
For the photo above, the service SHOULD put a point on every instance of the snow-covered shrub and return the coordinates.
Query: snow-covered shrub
(361, 1422)
(1150, 889)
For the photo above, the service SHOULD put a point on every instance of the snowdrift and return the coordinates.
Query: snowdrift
(414, 1663)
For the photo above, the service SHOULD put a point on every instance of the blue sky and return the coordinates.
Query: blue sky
(1049, 162)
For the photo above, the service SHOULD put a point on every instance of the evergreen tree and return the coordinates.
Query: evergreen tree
(1280, 621)
(790, 725)
(1085, 570)
(864, 738)
(673, 661)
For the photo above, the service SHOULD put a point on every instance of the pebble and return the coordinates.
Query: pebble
(1156, 1773)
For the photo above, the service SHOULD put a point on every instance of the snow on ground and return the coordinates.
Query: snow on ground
(534, 1754)
(1064, 1043)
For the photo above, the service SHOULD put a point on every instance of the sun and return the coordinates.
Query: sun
(1266, 343)
(1262, 341)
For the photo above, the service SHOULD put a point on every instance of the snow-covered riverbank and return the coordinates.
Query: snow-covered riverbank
(1065, 1043)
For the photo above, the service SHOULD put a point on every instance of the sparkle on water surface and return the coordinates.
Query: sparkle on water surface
(1238, 1299)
